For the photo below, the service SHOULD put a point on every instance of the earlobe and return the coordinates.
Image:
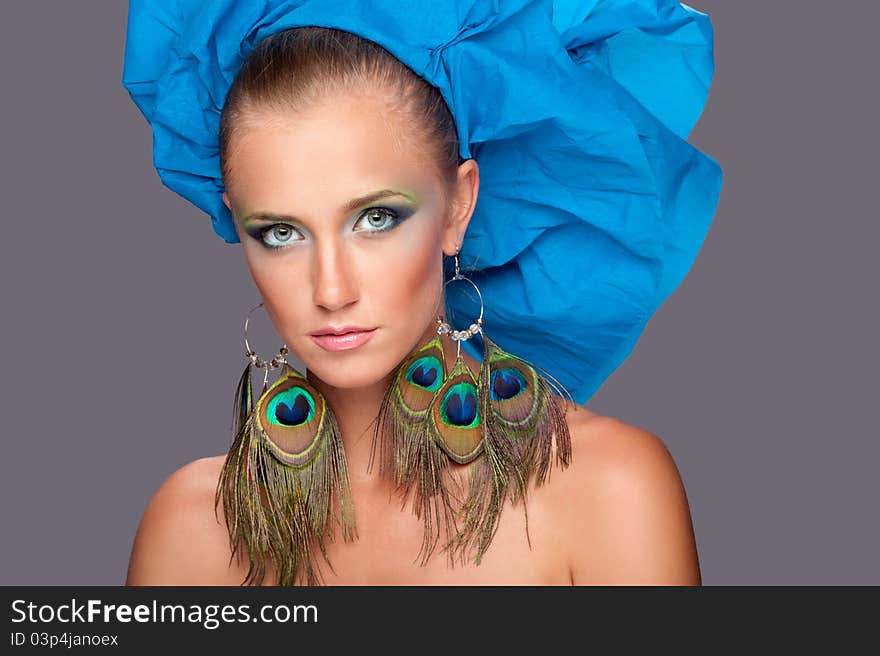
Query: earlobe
(226, 201)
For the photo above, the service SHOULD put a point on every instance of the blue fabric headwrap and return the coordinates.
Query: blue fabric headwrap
(592, 205)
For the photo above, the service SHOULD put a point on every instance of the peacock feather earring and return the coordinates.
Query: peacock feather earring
(522, 415)
(416, 460)
(504, 423)
(284, 484)
(429, 418)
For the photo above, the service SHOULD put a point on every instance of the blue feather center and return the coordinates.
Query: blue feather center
(426, 372)
(507, 383)
(292, 407)
(459, 406)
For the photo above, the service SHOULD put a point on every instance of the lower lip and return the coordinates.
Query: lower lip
(343, 342)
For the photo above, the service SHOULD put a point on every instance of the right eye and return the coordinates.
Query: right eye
(277, 235)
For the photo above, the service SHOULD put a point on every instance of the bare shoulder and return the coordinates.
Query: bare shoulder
(627, 517)
(180, 540)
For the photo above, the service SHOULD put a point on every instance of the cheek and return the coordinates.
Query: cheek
(272, 277)
(407, 279)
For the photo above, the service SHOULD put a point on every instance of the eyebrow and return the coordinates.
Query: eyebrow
(350, 206)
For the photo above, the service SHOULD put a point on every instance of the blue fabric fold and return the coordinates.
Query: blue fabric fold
(593, 205)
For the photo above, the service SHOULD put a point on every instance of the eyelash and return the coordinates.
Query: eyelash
(397, 220)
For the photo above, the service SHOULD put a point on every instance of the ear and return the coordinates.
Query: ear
(463, 202)
(226, 201)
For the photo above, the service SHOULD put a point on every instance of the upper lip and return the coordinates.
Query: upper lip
(339, 330)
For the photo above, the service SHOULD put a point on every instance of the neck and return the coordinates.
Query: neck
(356, 410)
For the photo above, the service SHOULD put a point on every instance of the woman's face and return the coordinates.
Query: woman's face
(342, 225)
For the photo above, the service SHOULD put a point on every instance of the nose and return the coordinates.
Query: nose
(334, 285)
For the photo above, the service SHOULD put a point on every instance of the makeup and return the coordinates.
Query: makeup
(276, 231)
(344, 342)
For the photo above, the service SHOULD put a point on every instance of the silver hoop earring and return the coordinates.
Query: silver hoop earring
(274, 363)
(458, 336)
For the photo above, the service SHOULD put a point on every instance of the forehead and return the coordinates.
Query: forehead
(339, 148)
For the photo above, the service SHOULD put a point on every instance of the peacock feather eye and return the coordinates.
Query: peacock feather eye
(455, 419)
(290, 416)
(426, 372)
(513, 401)
(291, 407)
(507, 383)
(459, 406)
(417, 381)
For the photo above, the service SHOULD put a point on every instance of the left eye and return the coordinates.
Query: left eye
(378, 219)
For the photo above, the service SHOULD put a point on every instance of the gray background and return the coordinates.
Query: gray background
(122, 311)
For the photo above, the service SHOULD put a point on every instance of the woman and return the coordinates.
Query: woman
(344, 181)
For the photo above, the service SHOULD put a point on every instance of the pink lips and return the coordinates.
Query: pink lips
(344, 342)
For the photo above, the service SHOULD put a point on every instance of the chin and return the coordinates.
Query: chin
(361, 367)
(343, 375)
(364, 366)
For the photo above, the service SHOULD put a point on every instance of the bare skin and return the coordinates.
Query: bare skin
(617, 515)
